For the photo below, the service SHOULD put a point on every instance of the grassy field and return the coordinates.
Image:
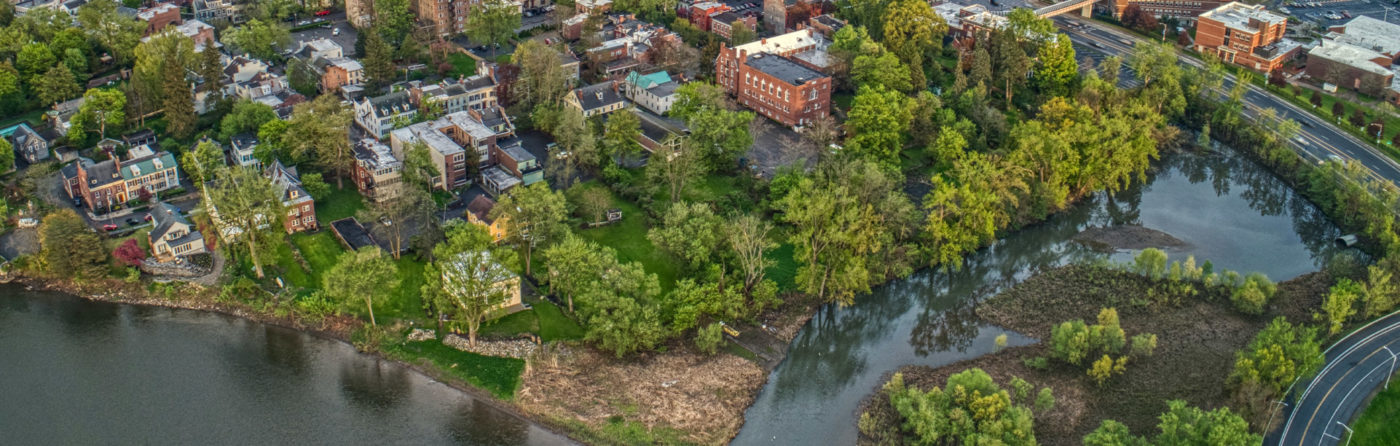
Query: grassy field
(554, 325)
(784, 268)
(340, 204)
(629, 238)
(1377, 424)
(462, 65)
(500, 376)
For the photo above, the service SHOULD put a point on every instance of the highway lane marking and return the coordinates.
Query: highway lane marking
(1363, 379)
(1335, 383)
(1328, 368)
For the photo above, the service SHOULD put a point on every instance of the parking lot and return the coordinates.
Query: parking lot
(1333, 13)
(346, 39)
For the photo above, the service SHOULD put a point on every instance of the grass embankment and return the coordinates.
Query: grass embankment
(500, 376)
(1377, 424)
(1197, 340)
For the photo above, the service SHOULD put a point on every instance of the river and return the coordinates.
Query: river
(74, 371)
(1228, 209)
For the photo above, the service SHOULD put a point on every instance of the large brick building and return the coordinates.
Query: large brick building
(779, 77)
(105, 184)
(446, 17)
(1185, 10)
(1246, 35)
(1359, 56)
(780, 16)
(158, 16)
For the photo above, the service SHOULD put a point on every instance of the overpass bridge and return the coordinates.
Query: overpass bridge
(1085, 7)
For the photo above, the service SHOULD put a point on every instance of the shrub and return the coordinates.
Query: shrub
(1253, 294)
(1045, 401)
(317, 306)
(1151, 262)
(1143, 345)
(129, 253)
(709, 338)
(1001, 341)
(1069, 341)
(1341, 304)
(1105, 367)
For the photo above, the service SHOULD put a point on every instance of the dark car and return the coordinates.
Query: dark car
(131, 222)
(109, 227)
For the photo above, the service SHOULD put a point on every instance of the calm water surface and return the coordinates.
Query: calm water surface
(80, 372)
(1228, 209)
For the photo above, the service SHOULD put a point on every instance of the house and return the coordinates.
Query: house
(359, 13)
(722, 23)
(106, 184)
(481, 264)
(212, 10)
(520, 163)
(171, 234)
(337, 72)
(378, 174)
(658, 134)
(479, 213)
(27, 143)
(201, 33)
(321, 48)
(592, 6)
(781, 16)
(700, 13)
(1245, 35)
(301, 208)
(445, 138)
(827, 25)
(240, 150)
(963, 21)
(655, 92)
(243, 68)
(779, 77)
(143, 137)
(158, 16)
(597, 99)
(453, 95)
(377, 115)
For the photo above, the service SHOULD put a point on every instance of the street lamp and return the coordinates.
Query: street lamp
(1349, 432)
(1393, 359)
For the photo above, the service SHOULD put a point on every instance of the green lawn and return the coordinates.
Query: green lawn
(462, 65)
(629, 238)
(554, 325)
(518, 323)
(784, 268)
(407, 300)
(114, 267)
(321, 251)
(33, 118)
(1377, 424)
(340, 204)
(500, 376)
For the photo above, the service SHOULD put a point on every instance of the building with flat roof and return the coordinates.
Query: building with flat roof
(378, 174)
(1245, 35)
(1371, 34)
(781, 77)
(1350, 66)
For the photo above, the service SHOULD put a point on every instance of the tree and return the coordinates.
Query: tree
(542, 79)
(748, 241)
(211, 71)
(1380, 293)
(1254, 294)
(35, 59)
(378, 61)
(201, 163)
(675, 169)
(366, 274)
(573, 263)
(620, 134)
(7, 155)
(1182, 425)
(129, 253)
(246, 117)
(419, 170)
(322, 134)
(393, 20)
(413, 205)
(57, 85)
(260, 39)
(970, 409)
(1057, 68)
(877, 122)
(1113, 433)
(473, 288)
(102, 108)
(915, 33)
(249, 206)
(9, 79)
(722, 136)
(179, 104)
(689, 233)
(68, 248)
(575, 146)
(847, 44)
(614, 317)
(740, 33)
(881, 69)
(1340, 304)
(492, 22)
(1010, 62)
(117, 32)
(1277, 356)
(534, 215)
(162, 55)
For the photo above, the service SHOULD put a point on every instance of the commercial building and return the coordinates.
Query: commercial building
(1245, 35)
(779, 77)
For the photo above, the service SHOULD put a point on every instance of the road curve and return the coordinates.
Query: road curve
(1357, 366)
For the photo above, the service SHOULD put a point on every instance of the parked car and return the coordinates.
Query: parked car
(335, 32)
(109, 227)
(323, 12)
(28, 222)
(131, 221)
(147, 217)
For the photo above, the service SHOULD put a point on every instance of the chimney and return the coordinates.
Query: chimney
(763, 41)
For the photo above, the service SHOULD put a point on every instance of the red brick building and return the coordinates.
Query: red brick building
(700, 13)
(779, 77)
(159, 16)
(1246, 35)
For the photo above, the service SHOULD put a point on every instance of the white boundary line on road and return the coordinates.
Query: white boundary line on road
(1284, 435)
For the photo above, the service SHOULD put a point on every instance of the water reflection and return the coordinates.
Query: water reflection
(478, 423)
(374, 384)
(1225, 207)
(286, 349)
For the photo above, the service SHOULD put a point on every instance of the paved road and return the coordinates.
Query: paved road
(1318, 139)
(1356, 367)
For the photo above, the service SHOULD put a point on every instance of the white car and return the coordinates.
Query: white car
(335, 32)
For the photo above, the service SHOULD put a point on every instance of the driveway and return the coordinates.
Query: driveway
(346, 39)
(775, 146)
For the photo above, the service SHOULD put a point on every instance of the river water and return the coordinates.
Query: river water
(1227, 209)
(79, 372)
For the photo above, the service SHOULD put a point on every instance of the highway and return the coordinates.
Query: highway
(1318, 139)
(1357, 366)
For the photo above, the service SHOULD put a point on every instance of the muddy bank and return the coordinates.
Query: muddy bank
(1127, 237)
(1197, 340)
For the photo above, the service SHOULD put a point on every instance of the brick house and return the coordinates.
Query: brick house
(779, 77)
(338, 72)
(780, 16)
(378, 174)
(1245, 35)
(158, 16)
(103, 185)
(722, 23)
(300, 207)
(700, 13)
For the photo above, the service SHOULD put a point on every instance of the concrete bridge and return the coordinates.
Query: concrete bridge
(1085, 7)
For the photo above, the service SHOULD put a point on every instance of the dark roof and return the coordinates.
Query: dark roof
(481, 207)
(139, 137)
(287, 179)
(783, 68)
(352, 234)
(164, 216)
(657, 128)
(598, 95)
(664, 90)
(726, 17)
(243, 141)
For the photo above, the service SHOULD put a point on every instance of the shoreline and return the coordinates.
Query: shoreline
(121, 297)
